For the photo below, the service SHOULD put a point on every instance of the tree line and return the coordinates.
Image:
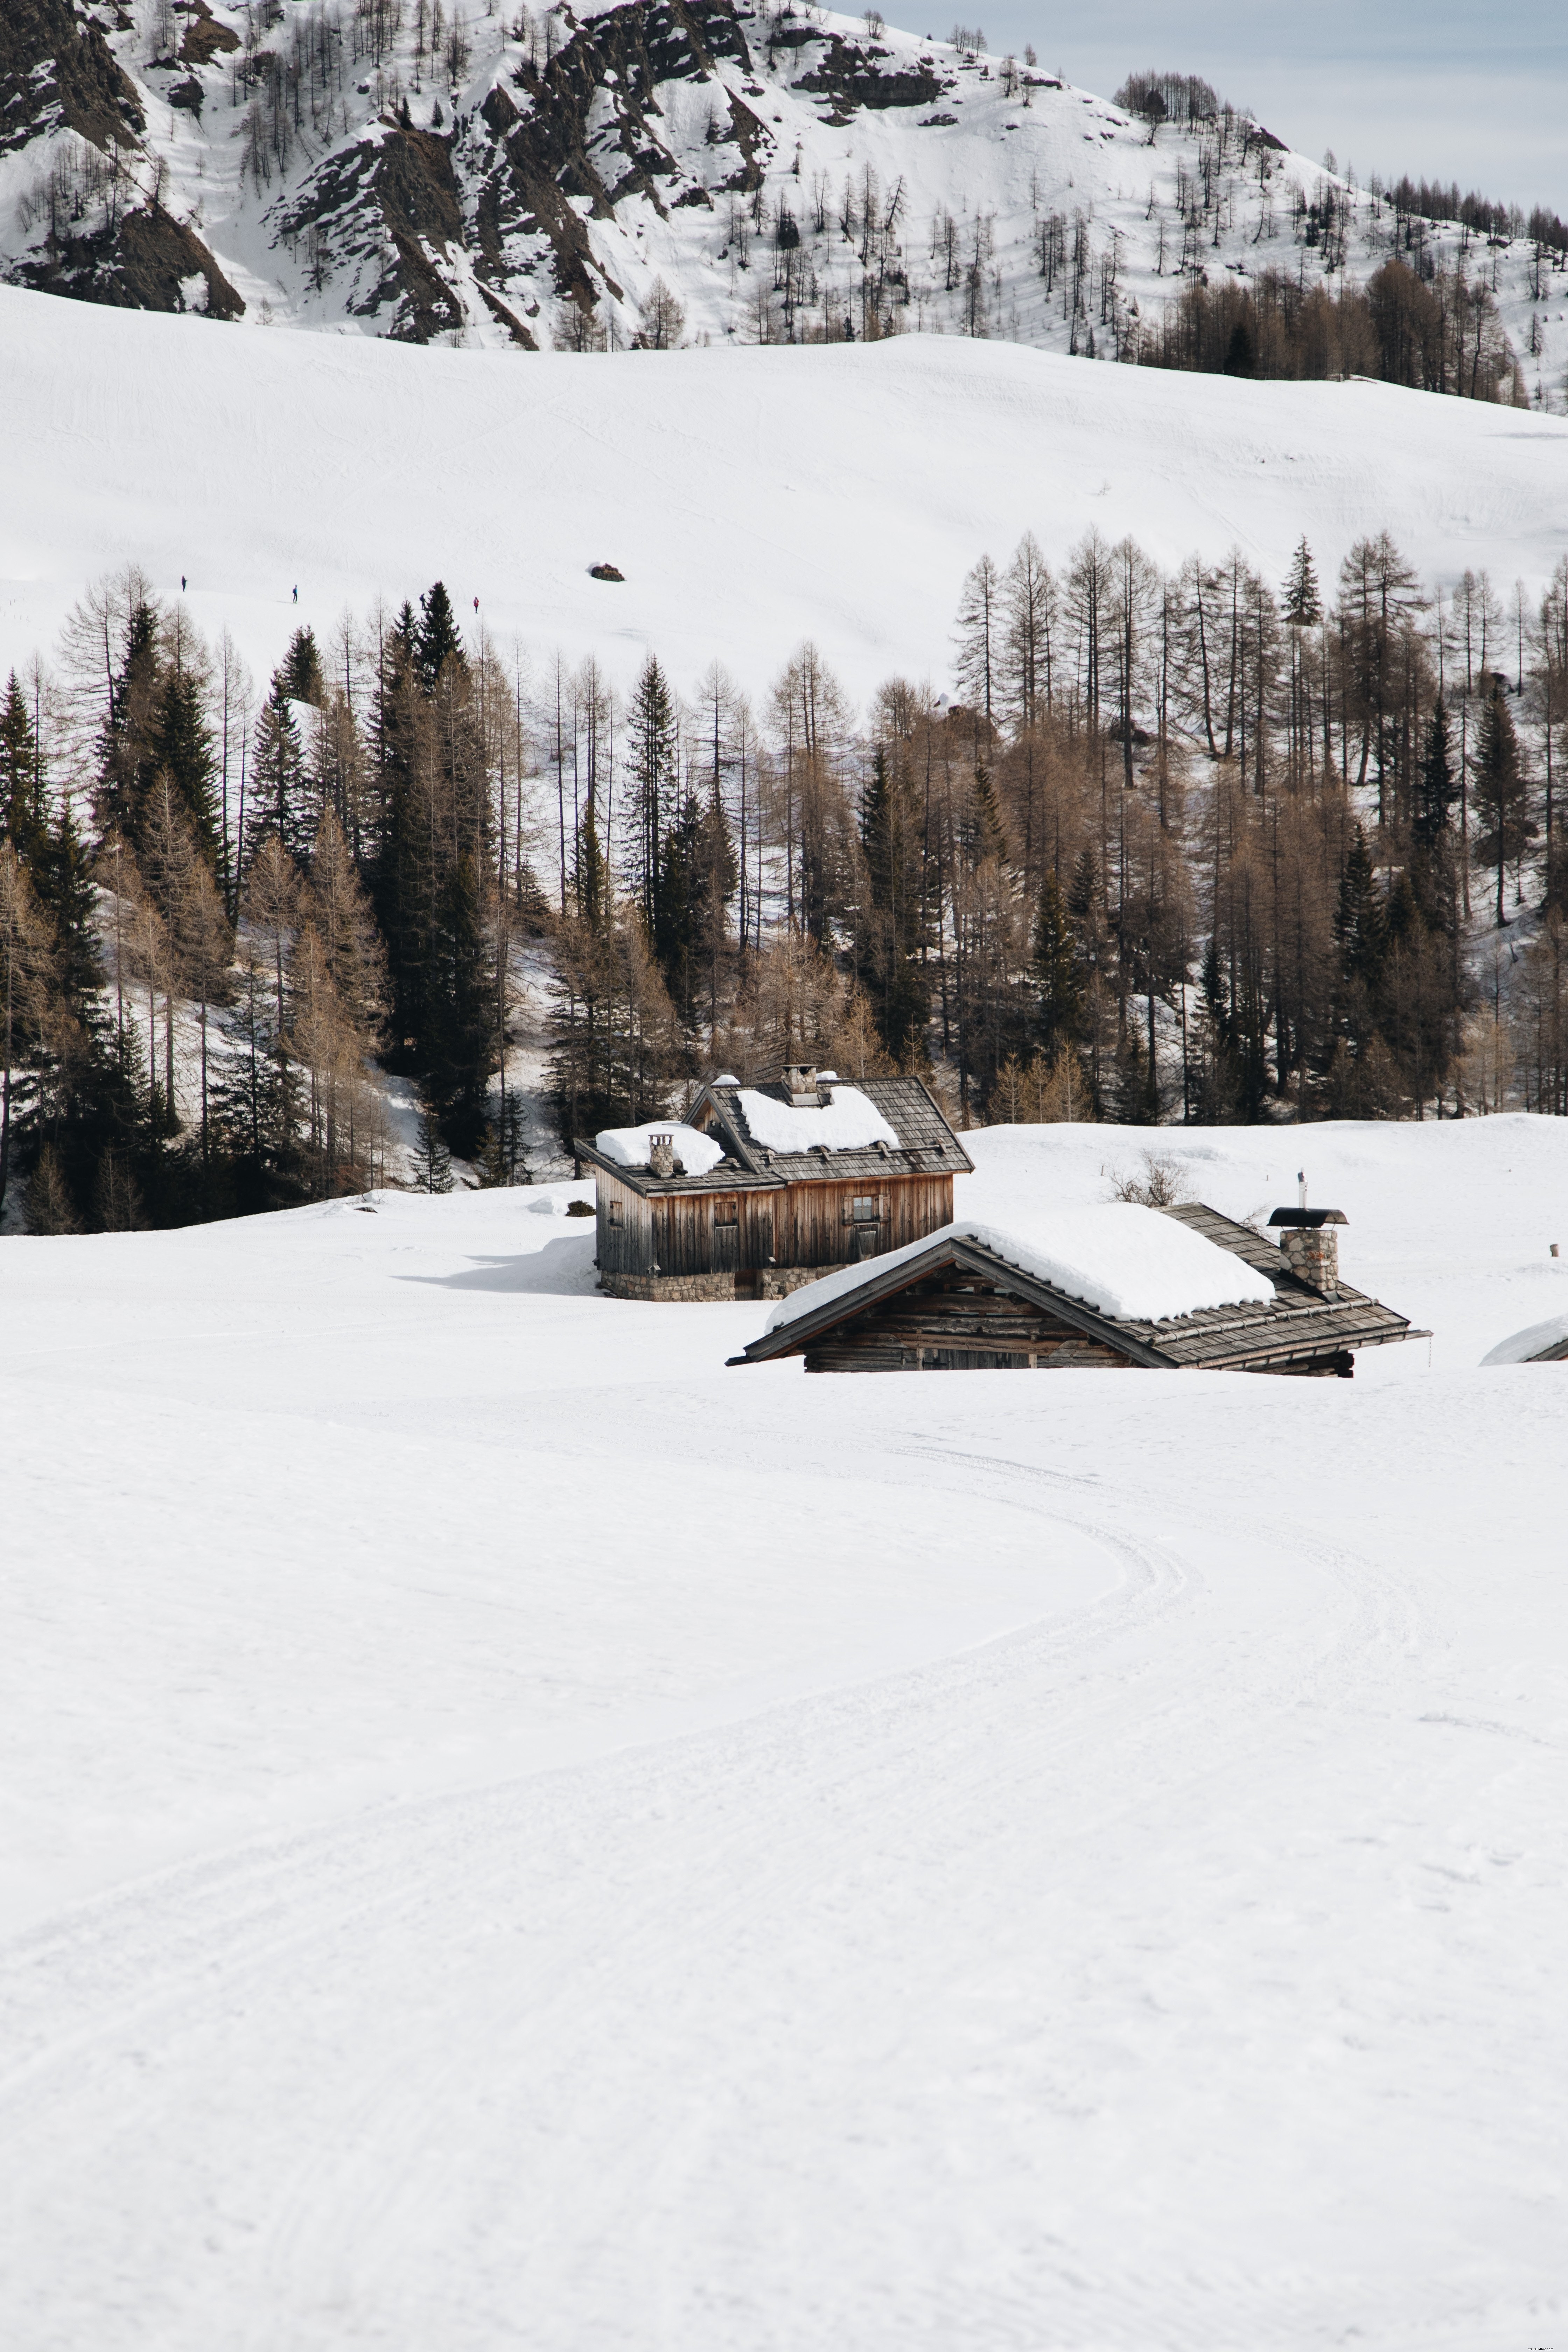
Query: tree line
(1181, 845)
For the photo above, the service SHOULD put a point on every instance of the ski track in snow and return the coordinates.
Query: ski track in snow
(1151, 1942)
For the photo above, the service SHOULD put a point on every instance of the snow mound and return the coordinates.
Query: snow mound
(1133, 1264)
(628, 1146)
(850, 1122)
(1521, 1346)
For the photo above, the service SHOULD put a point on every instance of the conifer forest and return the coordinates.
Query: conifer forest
(1189, 847)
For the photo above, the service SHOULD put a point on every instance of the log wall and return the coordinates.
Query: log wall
(958, 1323)
(807, 1224)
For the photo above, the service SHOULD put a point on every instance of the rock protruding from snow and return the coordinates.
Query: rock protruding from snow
(631, 1147)
(1133, 1264)
(850, 1122)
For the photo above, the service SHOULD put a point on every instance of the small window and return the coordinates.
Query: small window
(864, 1210)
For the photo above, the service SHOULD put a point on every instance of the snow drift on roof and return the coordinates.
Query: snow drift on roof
(1522, 1345)
(628, 1146)
(850, 1122)
(1132, 1264)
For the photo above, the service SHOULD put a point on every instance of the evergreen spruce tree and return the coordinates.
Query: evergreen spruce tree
(183, 749)
(676, 907)
(1303, 601)
(1358, 928)
(1500, 793)
(460, 1050)
(24, 818)
(436, 637)
(129, 749)
(987, 836)
(654, 768)
(591, 873)
(1056, 975)
(432, 1160)
(889, 931)
(1437, 786)
(277, 783)
(299, 675)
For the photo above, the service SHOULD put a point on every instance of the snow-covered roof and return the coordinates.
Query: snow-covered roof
(850, 1122)
(628, 1146)
(1133, 1264)
(1537, 1340)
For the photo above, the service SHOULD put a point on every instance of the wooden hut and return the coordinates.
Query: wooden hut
(762, 1189)
(966, 1303)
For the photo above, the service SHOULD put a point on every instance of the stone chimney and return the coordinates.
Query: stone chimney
(661, 1155)
(1309, 1241)
(801, 1085)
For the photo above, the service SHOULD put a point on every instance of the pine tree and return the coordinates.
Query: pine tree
(298, 675)
(1358, 931)
(435, 638)
(432, 1160)
(677, 904)
(130, 755)
(462, 1048)
(1436, 787)
(183, 749)
(654, 768)
(889, 933)
(24, 819)
(277, 783)
(1500, 793)
(1057, 976)
(590, 872)
(1303, 600)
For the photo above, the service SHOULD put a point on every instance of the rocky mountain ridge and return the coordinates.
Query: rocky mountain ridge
(655, 171)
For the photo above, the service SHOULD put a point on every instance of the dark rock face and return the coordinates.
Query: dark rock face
(57, 72)
(55, 67)
(403, 222)
(144, 261)
(850, 75)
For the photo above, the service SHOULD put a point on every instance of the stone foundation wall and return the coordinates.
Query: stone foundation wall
(765, 1282)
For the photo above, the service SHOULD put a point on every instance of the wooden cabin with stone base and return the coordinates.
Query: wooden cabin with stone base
(759, 1190)
(977, 1299)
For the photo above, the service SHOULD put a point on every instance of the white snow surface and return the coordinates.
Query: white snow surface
(1123, 1259)
(1521, 1346)
(510, 1832)
(628, 1146)
(998, 156)
(753, 497)
(850, 1122)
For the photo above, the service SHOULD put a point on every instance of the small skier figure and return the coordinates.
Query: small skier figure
(182, 583)
(475, 604)
(296, 595)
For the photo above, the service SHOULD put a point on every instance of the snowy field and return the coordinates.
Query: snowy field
(517, 1836)
(753, 497)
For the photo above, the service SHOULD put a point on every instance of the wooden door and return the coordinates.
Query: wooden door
(726, 1249)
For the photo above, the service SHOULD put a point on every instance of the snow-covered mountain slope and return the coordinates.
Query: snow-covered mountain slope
(500, 178)
(752, 499)
(517, 1833)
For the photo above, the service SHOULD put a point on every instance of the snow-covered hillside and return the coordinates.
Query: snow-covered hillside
(494, 177)
(514, 1832)
(752, 498)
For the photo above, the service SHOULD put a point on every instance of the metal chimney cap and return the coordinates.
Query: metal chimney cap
(1309, 1218)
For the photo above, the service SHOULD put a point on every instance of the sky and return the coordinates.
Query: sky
(1427, 87)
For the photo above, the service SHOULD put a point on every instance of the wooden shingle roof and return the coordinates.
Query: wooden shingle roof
(926, 1146)
(1298, 1326)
